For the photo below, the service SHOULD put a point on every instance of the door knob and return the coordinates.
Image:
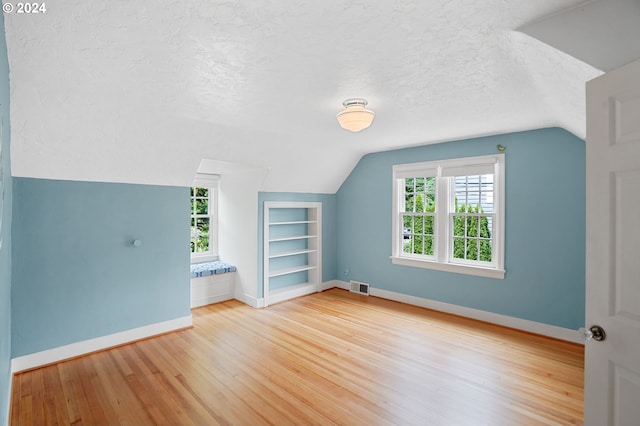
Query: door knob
(594, 332)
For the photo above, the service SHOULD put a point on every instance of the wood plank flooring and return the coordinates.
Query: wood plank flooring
(328, 358)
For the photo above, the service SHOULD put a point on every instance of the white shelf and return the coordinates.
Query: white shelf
(287, 271)
(308, 245)
(294, 237)
(295, 222)
(291, 253)
(290, 288)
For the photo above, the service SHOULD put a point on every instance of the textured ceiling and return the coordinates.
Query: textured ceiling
(142, 91)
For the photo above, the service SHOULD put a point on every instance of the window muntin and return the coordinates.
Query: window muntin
(448, 215)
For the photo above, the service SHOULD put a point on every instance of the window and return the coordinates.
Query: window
(449, 215)
(204, 218)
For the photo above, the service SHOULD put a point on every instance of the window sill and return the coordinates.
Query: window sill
(204, 258)
(450, 267)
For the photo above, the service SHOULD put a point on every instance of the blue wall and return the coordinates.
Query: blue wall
(545, 222)
(5, 233)
(328, 229)
(76, 273)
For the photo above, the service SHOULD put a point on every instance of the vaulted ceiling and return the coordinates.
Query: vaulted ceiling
(142, 91)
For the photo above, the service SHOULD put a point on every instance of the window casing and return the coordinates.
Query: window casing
(449, 215)
(204, 218)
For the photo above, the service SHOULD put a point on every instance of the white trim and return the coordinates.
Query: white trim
(490, 317)
(259, 303)
(442, 259)
(291, 292)
(334, 284)
(450, 267)
(204, 258)
(49, 356)
(250, 300)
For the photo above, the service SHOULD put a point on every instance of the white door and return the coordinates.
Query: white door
(612, 366)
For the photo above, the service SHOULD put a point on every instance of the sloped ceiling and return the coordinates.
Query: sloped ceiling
(602, 33)
(141, 92)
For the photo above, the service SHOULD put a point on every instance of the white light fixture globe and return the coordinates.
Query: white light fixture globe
(355, 116)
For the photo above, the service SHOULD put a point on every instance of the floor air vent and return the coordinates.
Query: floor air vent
(358, 287)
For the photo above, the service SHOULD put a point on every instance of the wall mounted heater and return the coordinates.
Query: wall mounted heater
(358, 287)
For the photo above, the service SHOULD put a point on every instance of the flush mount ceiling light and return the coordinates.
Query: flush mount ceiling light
(355, 116)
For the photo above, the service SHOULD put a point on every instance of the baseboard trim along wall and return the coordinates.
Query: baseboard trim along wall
(249, 300)
(334, 284)
(259, 303)
(490, 317)
(50, 356)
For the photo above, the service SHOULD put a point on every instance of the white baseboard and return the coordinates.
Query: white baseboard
(334, 284)
(280, 295)
(49, 356)
(490, 317)
(250, 300)
(258, 303)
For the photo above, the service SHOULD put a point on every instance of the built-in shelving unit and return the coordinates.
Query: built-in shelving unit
(292, 249)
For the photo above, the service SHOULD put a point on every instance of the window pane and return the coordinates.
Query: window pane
(428, 225)
(202, 243)
(202, 192)
(202, 206)
(460, 203)
(430, 203)
(485, 250)
(472, 248)
(458, 226)
(473, 183)
(420, 203)
(407, 222)
(407, 245)
(458, 248)
(418, 226)
(428, 246)
(417, 244)
(460, 193)
(409, 203)
(202, 223)
(473, 201)
(487, 202)
(408, 185)
(191, 191)
(485, 226)
(472, 226)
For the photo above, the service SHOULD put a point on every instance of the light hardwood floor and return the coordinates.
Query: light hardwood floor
(328, 358)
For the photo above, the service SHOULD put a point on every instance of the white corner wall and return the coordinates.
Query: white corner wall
(238, 228)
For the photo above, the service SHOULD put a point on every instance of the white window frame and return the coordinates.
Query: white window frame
(211, 182)
(443, 171)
